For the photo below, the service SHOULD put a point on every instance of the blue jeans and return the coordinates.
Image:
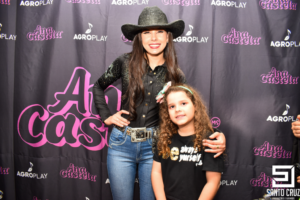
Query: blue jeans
(122, 159)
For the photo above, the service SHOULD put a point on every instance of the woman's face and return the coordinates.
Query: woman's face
(154, 41)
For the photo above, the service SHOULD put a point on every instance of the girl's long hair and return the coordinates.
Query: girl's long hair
(137, 69)
(202, 124)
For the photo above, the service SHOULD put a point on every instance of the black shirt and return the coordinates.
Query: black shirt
(153, 80)
(183, 171)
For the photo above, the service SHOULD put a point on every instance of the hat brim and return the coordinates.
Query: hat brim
(176, 27)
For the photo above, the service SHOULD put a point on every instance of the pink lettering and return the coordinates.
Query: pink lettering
(278, 4)
(278, 77)
(40, 34)
(68, 121)
(267, 150)
(237, 37)
(262, 181)
(84, 1)
(5, 2)
(77, 173)
(4, 171)
(183, 2)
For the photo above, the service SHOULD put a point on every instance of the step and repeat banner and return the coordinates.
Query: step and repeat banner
(242, 55)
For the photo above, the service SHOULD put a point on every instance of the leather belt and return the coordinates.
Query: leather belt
(139, 134)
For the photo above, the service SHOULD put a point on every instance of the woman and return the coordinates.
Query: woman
(144, 72)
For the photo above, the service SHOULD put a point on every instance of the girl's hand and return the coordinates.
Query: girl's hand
(117, 119)
(217, 146)
(296, 127)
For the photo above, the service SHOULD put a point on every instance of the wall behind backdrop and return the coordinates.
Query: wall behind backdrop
(242, 55)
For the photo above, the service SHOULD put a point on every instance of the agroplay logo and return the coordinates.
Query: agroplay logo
(228, 182)
(228, 4)
(181, 2)
(278, 77)
(189, 38)
(283, 117)
(129, 2)
(88, 36)
(4, 36)
(285, 42)
(278, 5)
(29, 173)
(36, 3)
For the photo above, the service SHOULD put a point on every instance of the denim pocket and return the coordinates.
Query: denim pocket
(117, 137)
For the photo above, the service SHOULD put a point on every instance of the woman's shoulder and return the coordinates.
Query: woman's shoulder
(123, 57)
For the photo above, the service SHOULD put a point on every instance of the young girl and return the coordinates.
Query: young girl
(181, 169)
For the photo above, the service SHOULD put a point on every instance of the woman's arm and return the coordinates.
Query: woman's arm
(211, 187)
(157, 181)
(217, 146)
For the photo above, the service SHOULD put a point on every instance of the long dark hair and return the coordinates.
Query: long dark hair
(137, 69)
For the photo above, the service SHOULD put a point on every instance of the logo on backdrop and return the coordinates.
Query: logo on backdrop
(278, 77)
(1, 194)
(271, 151)
(239, 37)
(181, 2)
(283, 118)
(130, 2)
(228, 182)
(216, 122)
(84, 1)
(88, 36)
(189, 38)
(124, 39)
(35, 198)
(228, 4)
(36, 3)
(29, 173)
(86, 198)
(5, 2)
(285, 43)
(261, 181)
(4, 171)
(275, 5)
(77, 173)
(5, 36)
(69, 120)
(40, 34)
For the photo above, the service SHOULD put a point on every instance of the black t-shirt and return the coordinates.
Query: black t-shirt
(183, 171)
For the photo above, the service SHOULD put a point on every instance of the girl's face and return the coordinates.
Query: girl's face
(154, 41)
(181, 109)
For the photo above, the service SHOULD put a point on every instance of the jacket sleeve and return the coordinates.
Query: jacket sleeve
(113, 73)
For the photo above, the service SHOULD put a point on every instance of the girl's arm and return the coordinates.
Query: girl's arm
(211, 187)
(157, 181)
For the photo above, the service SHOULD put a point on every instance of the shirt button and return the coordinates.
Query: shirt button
(144, 116)
(146, 104)
(148, 93)
(154, 73)
(150, 81)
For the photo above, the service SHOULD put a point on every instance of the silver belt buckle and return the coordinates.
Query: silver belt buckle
(138, 134)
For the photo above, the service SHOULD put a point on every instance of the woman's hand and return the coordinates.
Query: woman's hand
(217, 146)
(296, 127)
(117, 119)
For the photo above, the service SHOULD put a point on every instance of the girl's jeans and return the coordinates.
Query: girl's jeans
(122, 159)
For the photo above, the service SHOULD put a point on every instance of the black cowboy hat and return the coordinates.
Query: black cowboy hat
(153, 17)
